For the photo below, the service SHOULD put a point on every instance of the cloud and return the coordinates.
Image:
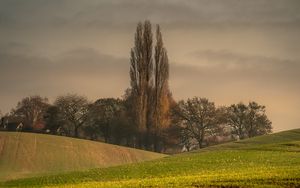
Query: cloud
(41, 13)
(261, 70)
(75, 62)
(238, 60)
(83, 71)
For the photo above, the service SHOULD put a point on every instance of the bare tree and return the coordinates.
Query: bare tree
(257, 121)
(1, 120)
(248, 120)
(237, 115)
(198, 119)
(31, 110)
(73, 110)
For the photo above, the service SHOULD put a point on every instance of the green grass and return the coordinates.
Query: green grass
(28, 154)
(266, 161)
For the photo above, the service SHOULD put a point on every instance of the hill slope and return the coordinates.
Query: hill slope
(28, 154)
(266, 161)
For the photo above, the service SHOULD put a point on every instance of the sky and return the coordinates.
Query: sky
(227, 51)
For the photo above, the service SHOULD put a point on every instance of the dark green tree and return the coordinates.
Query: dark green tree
(104, 113)
(53, 119)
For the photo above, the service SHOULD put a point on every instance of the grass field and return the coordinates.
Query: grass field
(266, 161)
(28, 154)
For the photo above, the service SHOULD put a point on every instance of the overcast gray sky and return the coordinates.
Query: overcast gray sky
(228, 51)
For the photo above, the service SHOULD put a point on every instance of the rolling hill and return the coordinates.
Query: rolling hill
(28, 154)
(265, 161)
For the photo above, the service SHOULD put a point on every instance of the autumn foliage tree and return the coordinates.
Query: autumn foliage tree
(31, 110)
(161, 93)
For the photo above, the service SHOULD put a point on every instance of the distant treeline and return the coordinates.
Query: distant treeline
(147, 116)
(195, 123)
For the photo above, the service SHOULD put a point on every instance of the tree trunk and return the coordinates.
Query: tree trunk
(76, 131)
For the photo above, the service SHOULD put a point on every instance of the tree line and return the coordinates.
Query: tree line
(147, 116)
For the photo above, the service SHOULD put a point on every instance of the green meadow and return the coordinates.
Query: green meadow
(264, 161)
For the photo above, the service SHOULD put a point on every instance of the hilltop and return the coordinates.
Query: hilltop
(29, 154)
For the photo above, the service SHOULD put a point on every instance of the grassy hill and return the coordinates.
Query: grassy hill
(27, 154)
(265, 161)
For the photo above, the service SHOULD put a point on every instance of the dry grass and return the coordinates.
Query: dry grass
(27, 154)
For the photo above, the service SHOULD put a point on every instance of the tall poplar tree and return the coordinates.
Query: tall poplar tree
(161, 93)
(149, 85)
(141, 69)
